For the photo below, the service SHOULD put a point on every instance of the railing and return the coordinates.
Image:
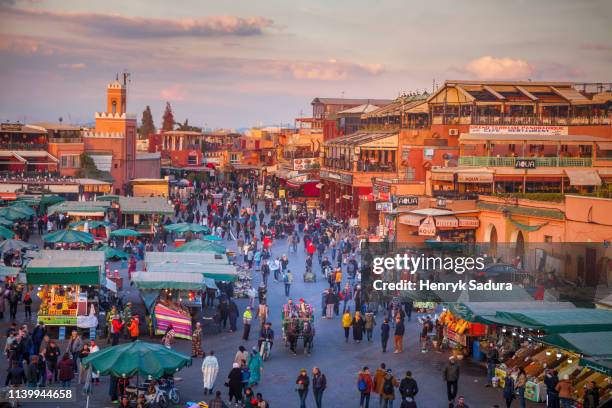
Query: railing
(376, 168)
(301, 155)
(483, 161)
(66, 140)
(23, 146)
(521, 120)
(454, 195)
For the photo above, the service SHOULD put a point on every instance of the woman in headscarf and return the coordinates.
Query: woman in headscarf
(255, 367)
(196, 341)
(235, 383)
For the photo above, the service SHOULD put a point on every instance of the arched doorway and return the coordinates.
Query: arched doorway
(491, 238)
(519, 248)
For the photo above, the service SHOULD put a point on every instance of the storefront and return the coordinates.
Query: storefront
(425, 224)
(144, 213)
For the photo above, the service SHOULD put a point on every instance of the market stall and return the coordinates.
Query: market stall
(67, 282)
(171, 298)
(143, 213)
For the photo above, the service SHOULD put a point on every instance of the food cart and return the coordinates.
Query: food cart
(67, 283)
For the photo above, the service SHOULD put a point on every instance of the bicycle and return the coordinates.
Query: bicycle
(265, 349)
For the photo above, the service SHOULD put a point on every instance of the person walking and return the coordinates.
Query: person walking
(398, 339)
(241, 354)
(565, 390)
(347, 322)
(210, 370)
(492, 360)
(551, 379)
(234, 383)
(385, 330)
(255, 367)
(301, 386)
(591, 396)
(233, 314)
(370, 322)
(509, 391)
(134, 328)
(319, 384)
(408, 387)
(365, 384)
(358, 327)
(74, 348)
(521, 383)
(330, 301)
(379, 379)
(247, 318)
(196, 341)
(94, 348)
(287, 280)
(390, 383)
(66, 373)
(451, 377)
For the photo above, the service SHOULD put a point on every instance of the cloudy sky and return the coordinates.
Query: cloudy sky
(242, 62)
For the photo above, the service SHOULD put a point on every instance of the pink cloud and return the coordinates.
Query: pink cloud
(79, 65)
(175, 92)
(332, 70)
(488, 67)
(25, 46)
(597, 47)
(117, 25)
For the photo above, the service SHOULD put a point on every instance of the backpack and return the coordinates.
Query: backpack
(388, 386)
(362, 385)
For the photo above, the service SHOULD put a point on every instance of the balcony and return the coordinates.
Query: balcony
(522, 120)
(66, 140)
(484, 161)
(24, 146)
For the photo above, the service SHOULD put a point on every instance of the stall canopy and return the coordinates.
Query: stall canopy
(165, 280)
(556, 321)
(593, 344)
(474, 312)
(81, 208)
(210, 265)
(198, 245)
(65, 267)
(601, 364)
(145, 205)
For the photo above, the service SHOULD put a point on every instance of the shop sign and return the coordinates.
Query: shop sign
(341, 177)
(12, 127)
(303, 164)
(58, 320)
(380, 188)
(524, 164)
(469, 177)
(518, 130)
(384, 206)
(406, 200)
(428, 227)
(456, 337)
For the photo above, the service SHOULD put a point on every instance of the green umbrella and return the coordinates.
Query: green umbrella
(6, 233)
(47, 201)
(125, 232)
(92, 224)
(136, 358)
(13, 244)
(25, 202)
(198, 245)
(211, 238)
(14, 213)
(113, 253)
(187, 227)
(69, 236)
(5, 222)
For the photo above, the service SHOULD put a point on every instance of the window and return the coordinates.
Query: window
(116, 165)
(192, 160)
(70, 161)
(548, 239)
(234, 158)
(114, 107)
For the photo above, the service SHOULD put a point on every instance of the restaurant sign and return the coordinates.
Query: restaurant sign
(11, 127)
(304, 164)
(518, 130)
(406, 200)
(341, 177)
(428, 227)
(525, 164)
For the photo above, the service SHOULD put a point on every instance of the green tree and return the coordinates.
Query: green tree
(185, 126)
(89, 170)
(168, 118)
(147, 125)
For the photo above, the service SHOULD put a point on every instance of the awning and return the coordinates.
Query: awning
(473, 177)
(583, 177)
(164, 280)
(65, 268)
(468, 222)
(411, 219)
(589, 343)
(446, 221)
(557, 321)
(604, 145)
(63, 188)
(475, 311)
(435, 176)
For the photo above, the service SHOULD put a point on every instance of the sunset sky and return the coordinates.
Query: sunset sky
(243, 63)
